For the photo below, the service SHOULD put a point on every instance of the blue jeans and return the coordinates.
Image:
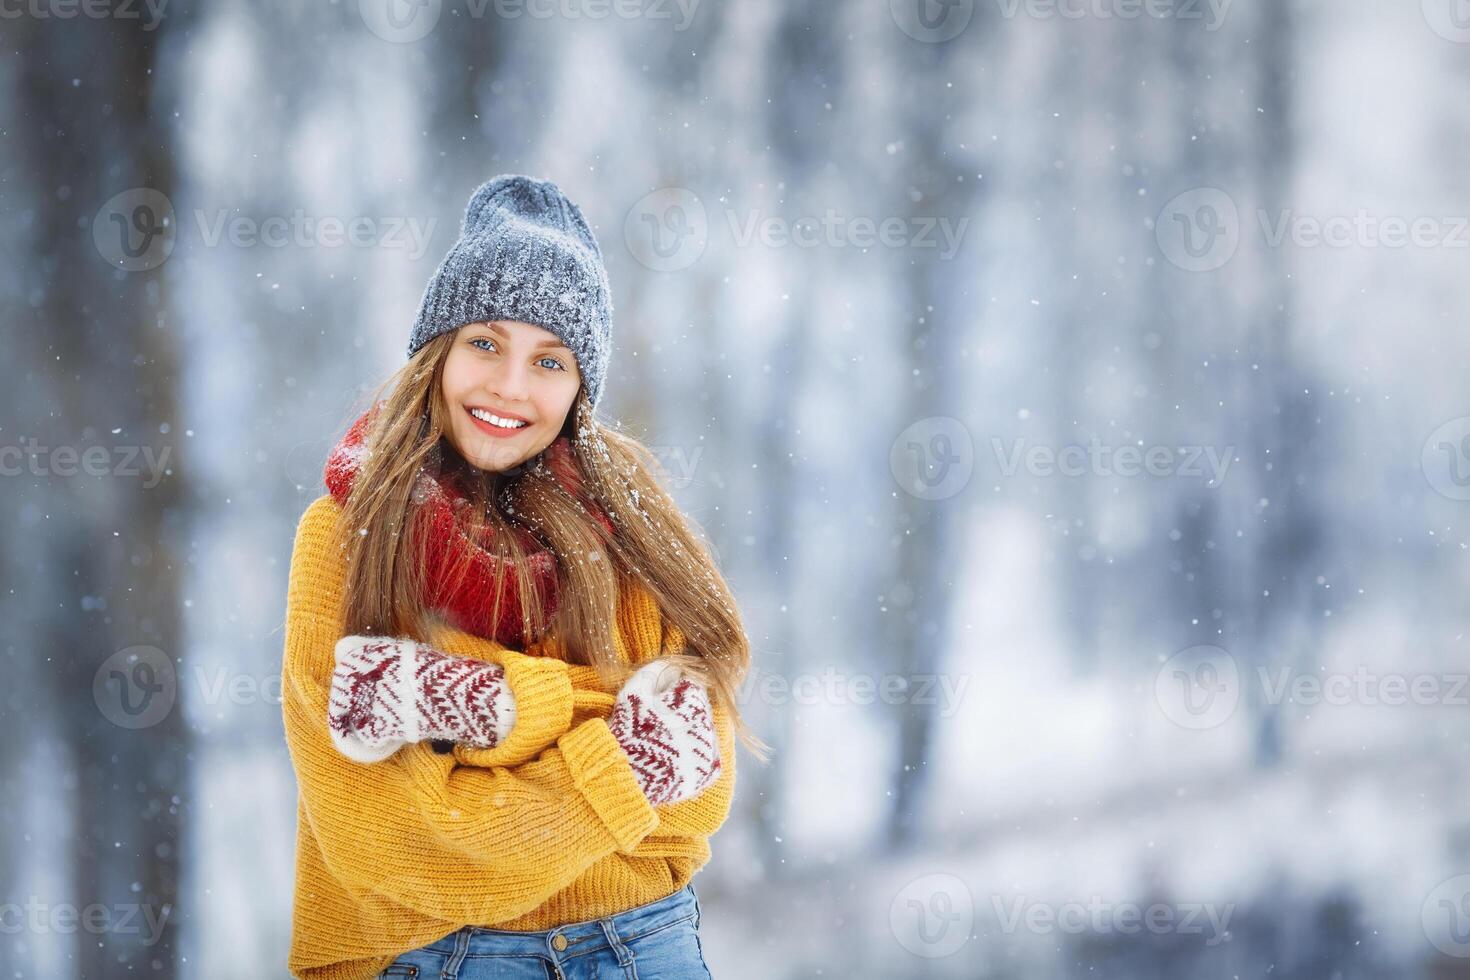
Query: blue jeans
(657, 941)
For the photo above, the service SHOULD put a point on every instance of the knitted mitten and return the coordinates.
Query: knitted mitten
(665, 726)
(388, 692)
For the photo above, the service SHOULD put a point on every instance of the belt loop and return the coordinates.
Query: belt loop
(456, 959)
(625, 955)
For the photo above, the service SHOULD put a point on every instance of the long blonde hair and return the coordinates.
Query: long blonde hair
(654, 544)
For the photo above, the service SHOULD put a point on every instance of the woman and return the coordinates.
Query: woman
(510, 665)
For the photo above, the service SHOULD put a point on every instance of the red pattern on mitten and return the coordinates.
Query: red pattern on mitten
(665, 726)
(388, 692)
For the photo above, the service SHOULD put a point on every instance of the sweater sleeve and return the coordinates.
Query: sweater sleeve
(543, 692)
(462, 843)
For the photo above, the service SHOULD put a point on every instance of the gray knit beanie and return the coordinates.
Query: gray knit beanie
(524, 253)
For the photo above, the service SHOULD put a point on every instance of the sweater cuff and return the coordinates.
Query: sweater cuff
(542, 691)
(601, 772)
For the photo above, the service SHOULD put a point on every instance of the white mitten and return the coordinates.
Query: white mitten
(389, 692)
(665, 726)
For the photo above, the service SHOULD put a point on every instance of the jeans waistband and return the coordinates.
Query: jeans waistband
(575, 938)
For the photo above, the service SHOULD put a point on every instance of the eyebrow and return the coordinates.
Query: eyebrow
(497, 328)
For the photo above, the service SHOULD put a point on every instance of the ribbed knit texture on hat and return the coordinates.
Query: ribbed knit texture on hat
(524, 253)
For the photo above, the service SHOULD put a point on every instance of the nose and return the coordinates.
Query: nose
(509, 380)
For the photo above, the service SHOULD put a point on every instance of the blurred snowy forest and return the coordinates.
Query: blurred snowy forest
(1074, 392)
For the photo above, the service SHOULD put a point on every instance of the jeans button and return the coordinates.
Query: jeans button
(558, 942)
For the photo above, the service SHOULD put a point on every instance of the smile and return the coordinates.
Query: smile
(495, 424)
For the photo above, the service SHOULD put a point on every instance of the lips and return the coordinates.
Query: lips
(490, 428)
(498, 413)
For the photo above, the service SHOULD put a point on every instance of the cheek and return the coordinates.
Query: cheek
(450, 404)
(456, 386)
(451, 382)
(556, 399)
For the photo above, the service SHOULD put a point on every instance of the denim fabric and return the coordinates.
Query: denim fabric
(657, 941)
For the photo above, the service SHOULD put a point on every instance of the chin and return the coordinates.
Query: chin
(498, 458)
(497, 463)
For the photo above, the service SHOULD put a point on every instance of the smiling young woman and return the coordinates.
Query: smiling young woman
(510, 664)
(508, 387)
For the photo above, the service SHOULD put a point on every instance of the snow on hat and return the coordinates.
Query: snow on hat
(524, 253)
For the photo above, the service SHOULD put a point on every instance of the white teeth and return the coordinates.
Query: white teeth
(485, 416)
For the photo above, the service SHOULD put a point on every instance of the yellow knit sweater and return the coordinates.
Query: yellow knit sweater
(548, 827)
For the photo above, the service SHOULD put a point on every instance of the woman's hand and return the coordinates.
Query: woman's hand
(664, 724)
(389, 692)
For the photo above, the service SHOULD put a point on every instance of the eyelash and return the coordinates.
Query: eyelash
(559, 365)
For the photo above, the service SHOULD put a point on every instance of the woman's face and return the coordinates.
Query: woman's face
(517, 372)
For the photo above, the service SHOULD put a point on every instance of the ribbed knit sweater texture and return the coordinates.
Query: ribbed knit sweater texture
(547, 828)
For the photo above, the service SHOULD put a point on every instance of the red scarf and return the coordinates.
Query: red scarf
(469, 603)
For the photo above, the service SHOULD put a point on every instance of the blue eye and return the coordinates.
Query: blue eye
(556, 365)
